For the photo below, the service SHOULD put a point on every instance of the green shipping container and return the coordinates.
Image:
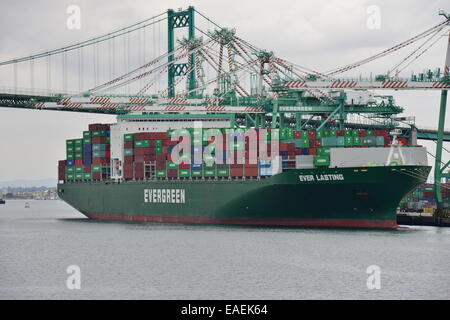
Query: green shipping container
(333, 133)
(320, 134)
(86, 134)
(210, 172)
(96, 168)
(158, 143)
(128, 137)
(223, 172)
(348, 133)
(356, 141)
(142, 144)
(355, 133)
(184, 173)
(69, 143)
(324, 151)
(78, 142)
(158, 150)
(171, 165)
(108, 140)
(87, 176)
(87, 141)
(78, 176)
(78, 149)
(161, 173)
(100, 133)
(78, 155)
(321, 161)
(70, 149)
(70, 170)
(348, 141)
(304, 142)
(369, 133)
(70, 156)
(70, 176)
(79, 169)
(196, 173)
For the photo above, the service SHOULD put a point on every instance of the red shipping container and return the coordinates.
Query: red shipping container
(403, 141)
(298, 151)
(312, 134)
(128, 145)
(251, 172)
(297, 134)
(291, 147)
(340, 133)
(317, 143)
(128, 159)
(172, 173)
(237, 171)
(98, 140)
(128, 175)
(108, 154)
(138, 166)
(362, 133)
(97, 175)
(87, 169)
(142, 136)
(160, 157)
(158, 135)
(95, 127)
(78, 162)
(108, 147)
(312, 151)
(100, 161)
(160, 165)
(387, 142)
(184, 165)
(283, 147)
(62, 163)
(143, 151)
(139, 174)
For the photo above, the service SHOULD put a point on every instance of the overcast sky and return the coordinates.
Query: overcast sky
(318, 34)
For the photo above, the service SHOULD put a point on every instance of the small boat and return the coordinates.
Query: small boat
(27, 205)
(2, 201)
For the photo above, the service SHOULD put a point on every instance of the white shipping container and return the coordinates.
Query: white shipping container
(355, 157)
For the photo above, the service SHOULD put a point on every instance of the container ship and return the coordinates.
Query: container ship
(200, 169)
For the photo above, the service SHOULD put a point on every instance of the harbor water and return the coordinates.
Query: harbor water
(173, 261)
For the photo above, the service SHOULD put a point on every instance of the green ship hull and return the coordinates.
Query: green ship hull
(365, 197)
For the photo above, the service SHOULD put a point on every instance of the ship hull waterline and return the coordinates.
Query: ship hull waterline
(358, 197)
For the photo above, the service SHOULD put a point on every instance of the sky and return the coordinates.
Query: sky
(321, 35)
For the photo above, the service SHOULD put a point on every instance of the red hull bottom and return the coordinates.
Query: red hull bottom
(303, 222)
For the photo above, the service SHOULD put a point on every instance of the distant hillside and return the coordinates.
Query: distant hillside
(29, 183)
